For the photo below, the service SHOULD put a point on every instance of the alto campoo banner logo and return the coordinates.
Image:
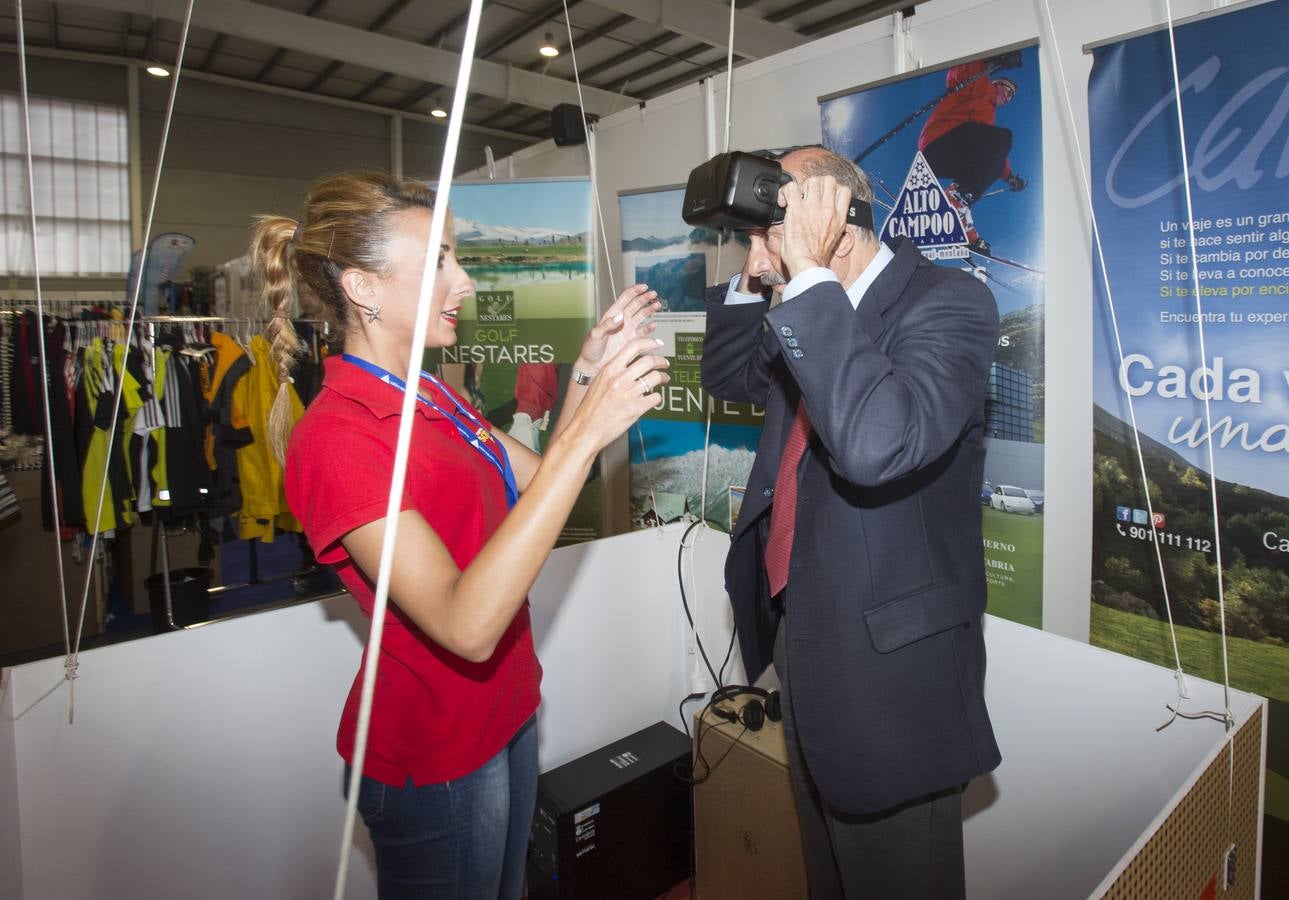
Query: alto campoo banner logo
(923, 214)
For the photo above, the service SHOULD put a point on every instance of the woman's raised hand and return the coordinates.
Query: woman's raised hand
(624, 389)
(630, 317)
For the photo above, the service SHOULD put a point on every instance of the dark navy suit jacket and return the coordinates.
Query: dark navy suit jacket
(886, 584)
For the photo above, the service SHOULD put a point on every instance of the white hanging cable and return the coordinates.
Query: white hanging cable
(1203, 356)
(1228, 718)
(707, 447)
(599, 211)
(40, 331)
(408, 416)
(710, 405)
(590, 153)
(644, 465)
(700, 673)
(729, 77)
(1178, 672)
(72, 663)
(729, 96)
(599, 214)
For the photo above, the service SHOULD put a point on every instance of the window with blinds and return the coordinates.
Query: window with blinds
(80, 169)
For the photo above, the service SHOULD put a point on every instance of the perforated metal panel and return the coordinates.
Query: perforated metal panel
(1189, 849)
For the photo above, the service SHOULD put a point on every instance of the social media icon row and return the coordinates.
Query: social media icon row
(1138, 516)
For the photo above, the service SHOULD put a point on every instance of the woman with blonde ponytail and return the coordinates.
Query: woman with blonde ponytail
(450, 777)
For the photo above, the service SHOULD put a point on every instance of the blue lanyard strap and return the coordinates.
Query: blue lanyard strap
(473, 431)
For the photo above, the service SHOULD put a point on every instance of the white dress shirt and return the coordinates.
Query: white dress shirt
(808, 278)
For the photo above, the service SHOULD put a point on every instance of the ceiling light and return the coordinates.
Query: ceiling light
(437, 110)
(158, 71)
(548, 48)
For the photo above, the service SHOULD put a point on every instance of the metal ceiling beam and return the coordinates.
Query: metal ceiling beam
(699, 70)
(662, 87)
(852, 17)
(415, 96)
(434, 40)
(633, 54)
(612, 62)
(211, 52)
(107, 59)
(708, 21)
(279, 53)
(540, 18)
(293, 31)
(865, 12)
(376, 24)
(789, 11)
(374, 84)
(151, 39)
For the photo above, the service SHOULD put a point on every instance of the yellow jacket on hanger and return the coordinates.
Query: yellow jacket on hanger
(98, 383)
(264, 510)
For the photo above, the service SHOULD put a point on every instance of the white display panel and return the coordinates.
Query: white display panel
(202, 763)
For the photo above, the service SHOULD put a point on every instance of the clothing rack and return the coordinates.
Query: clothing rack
(57, 305)
(70, 309)
(237, 320)
(31, 301)
(161, 534)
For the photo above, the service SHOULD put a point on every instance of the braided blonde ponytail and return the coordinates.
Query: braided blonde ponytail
(345, 224)
(270, 259)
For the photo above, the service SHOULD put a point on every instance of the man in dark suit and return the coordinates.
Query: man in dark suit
(857, 563)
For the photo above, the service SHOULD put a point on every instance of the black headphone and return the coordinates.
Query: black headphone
(752, 715)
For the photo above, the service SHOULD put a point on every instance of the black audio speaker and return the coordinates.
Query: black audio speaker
(568, 128)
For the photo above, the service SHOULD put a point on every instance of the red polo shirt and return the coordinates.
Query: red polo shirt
(435, 715)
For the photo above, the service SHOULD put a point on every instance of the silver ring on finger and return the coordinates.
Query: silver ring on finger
(644, 385)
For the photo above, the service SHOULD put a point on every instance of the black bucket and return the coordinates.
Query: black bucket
(189, 600)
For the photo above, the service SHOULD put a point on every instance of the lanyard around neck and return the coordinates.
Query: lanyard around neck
(473, 431)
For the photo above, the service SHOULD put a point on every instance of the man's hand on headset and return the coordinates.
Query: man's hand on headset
(814, 221)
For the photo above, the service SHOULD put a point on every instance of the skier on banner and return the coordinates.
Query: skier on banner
(961, 142)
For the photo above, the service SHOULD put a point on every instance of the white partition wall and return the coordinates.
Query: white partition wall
(10, 837)
(612, 636)
(1085, 774)
(202, 763)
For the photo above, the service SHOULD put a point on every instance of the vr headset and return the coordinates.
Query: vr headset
(740, 191)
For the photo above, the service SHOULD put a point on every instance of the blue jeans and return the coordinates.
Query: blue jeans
(464, 839)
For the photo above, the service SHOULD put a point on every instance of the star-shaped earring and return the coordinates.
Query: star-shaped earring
(373, 313)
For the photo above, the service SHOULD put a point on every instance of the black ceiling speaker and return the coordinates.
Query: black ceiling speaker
(568, 128)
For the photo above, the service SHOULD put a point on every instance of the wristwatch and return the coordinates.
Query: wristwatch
(581, 377)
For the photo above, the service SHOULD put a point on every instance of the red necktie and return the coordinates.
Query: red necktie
(783, 515)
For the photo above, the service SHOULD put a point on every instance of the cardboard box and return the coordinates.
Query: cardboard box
(746, 841)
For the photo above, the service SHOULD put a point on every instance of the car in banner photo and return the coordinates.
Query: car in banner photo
(1009, 498)
(1037, 498)
(986, 493)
